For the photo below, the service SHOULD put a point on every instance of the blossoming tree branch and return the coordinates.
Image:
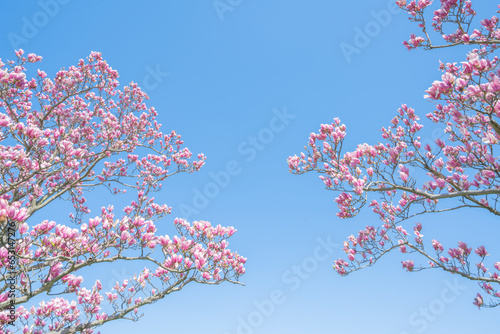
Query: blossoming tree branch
(61, 138)
(401, 179)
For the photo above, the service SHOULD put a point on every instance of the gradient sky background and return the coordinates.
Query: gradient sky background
(226, 75)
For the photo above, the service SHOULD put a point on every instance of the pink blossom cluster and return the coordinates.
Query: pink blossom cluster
(200, 254)
(456, 13)
(62, 138)
(409, 177)
(12, 212)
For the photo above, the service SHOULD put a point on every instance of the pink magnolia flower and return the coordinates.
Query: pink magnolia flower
(478, 301)
(481, 251)
(408, 265)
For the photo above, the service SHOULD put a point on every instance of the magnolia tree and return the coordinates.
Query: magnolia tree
(460, 172)
(61, 138)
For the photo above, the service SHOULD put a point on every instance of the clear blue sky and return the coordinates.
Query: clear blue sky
(220, 79)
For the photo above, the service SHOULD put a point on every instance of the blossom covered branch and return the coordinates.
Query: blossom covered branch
(409, 179)
(452, 21)
(61, 138)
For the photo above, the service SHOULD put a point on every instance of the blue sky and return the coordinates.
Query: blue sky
(274, 71)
